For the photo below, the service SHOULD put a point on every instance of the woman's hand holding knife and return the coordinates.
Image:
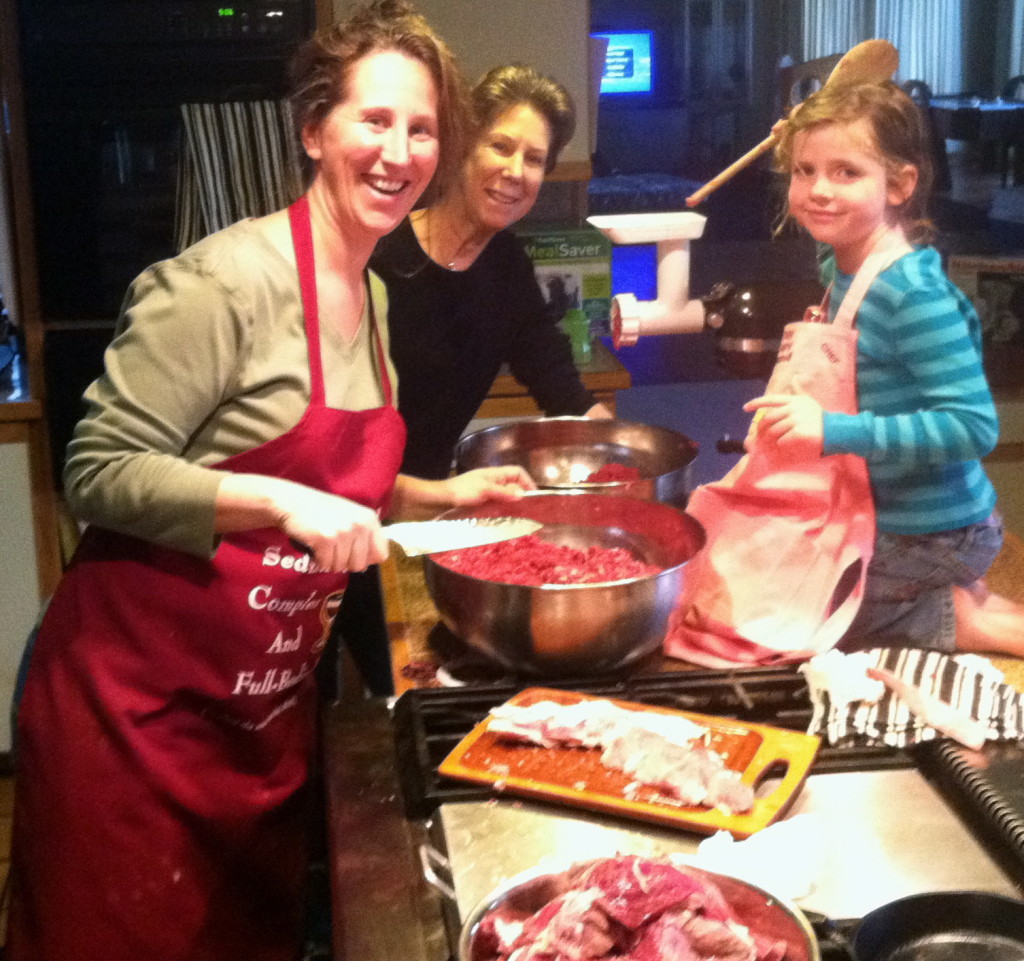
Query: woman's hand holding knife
(340, 534)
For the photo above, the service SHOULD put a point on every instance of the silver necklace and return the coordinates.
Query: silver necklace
(432, 244)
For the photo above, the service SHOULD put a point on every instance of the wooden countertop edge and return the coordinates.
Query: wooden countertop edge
(381, 906)
(21, 410)
(507, 386)
(408, 617)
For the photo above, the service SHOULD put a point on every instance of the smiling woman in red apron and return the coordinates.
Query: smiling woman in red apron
(167, 724)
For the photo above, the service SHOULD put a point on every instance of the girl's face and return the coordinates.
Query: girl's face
(841, 189)
(377, 150)
(505, 170)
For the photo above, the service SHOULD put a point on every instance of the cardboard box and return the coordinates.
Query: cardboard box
(574, 269)
(995, 286)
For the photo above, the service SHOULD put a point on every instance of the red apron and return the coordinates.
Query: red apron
(168, 720)
(784, 536)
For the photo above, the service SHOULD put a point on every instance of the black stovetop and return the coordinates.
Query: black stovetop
(430, 722)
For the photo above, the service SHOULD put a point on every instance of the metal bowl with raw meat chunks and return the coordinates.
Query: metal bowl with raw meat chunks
(565, 629)
(562, 453)
(628, 906)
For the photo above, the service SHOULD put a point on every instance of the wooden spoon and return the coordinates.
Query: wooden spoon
(871, 61)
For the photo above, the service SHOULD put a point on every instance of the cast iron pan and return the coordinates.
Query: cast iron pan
(946, 926)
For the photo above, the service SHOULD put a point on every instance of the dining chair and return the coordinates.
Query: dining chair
(1013, 89)
(799, 80)
(921, 94)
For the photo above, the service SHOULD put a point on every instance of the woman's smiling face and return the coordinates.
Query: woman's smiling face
(505, 170)
(377, 150)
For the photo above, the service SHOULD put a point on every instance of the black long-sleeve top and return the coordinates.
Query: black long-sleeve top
(452, 330)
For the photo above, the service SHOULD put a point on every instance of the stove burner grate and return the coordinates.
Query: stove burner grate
(430, 722)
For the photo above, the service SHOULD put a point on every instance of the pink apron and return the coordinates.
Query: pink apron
(782, 533)
(168, 720)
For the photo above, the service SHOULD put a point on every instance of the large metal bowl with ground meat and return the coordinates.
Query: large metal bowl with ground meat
(560, 453)
(572, 629)
(635, 907)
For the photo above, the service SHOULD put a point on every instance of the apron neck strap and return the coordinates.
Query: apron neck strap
(302, 241)
(890, 248)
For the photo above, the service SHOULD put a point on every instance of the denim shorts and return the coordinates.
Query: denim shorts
(908, 597)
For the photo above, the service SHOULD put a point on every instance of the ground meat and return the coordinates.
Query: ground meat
(532, 561)
(613, 472)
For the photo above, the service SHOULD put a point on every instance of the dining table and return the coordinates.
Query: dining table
(984, 120)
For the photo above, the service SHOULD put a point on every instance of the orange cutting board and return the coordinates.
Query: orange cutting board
(575, 776)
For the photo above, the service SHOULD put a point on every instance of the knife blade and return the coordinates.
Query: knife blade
(432, 537)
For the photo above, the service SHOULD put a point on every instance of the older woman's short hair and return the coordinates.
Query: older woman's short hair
(504, 87)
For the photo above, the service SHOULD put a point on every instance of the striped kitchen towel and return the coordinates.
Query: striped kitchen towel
(238, 159)
(957, 692)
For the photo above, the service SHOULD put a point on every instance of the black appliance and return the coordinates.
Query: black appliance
(103, 82)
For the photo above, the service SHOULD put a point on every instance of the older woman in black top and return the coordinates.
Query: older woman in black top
(462, 295)
(463, 300)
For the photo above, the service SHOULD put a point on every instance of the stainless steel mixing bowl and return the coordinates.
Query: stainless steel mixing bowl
(767, 916)
(556, 629)
(560, 452)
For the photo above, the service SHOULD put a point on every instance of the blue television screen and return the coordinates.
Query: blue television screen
(627, 64)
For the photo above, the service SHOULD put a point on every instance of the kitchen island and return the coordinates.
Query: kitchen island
(382, 908)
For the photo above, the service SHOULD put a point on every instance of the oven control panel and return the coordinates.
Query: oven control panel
(156, 22)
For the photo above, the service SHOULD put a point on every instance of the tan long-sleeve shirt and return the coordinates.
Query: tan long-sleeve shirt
(209, 360)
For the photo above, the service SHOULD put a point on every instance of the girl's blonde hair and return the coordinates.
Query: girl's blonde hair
(900, 137)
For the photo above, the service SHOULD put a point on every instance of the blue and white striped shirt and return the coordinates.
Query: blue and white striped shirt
(926, 411)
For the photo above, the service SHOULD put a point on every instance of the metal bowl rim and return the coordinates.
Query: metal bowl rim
(648, 505)
(555, 866)
(684, 441)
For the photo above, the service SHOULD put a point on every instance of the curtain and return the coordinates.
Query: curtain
(833, 26)
(1017, 39)
(238, 160)
(928, 35)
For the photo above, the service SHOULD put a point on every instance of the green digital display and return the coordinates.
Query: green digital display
(225, 11)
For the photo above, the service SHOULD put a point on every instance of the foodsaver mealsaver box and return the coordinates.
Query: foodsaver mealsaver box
(573, 268)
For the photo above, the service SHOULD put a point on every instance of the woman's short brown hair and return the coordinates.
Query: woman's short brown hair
(504, 87)
(321, 68)
(900, 134)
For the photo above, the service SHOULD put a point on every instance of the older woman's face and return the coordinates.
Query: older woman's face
(505, 170)
(377, 150)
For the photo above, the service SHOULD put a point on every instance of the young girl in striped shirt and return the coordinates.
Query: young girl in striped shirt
(859, 174)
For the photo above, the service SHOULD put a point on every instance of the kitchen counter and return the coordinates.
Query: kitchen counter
(382, 907)
(412, 616)
(603, 375)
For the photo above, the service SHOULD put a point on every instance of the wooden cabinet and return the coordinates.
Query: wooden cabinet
(30, 563)
(1005, 465)
(603, 375)
(29, 551)
(25, 479)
